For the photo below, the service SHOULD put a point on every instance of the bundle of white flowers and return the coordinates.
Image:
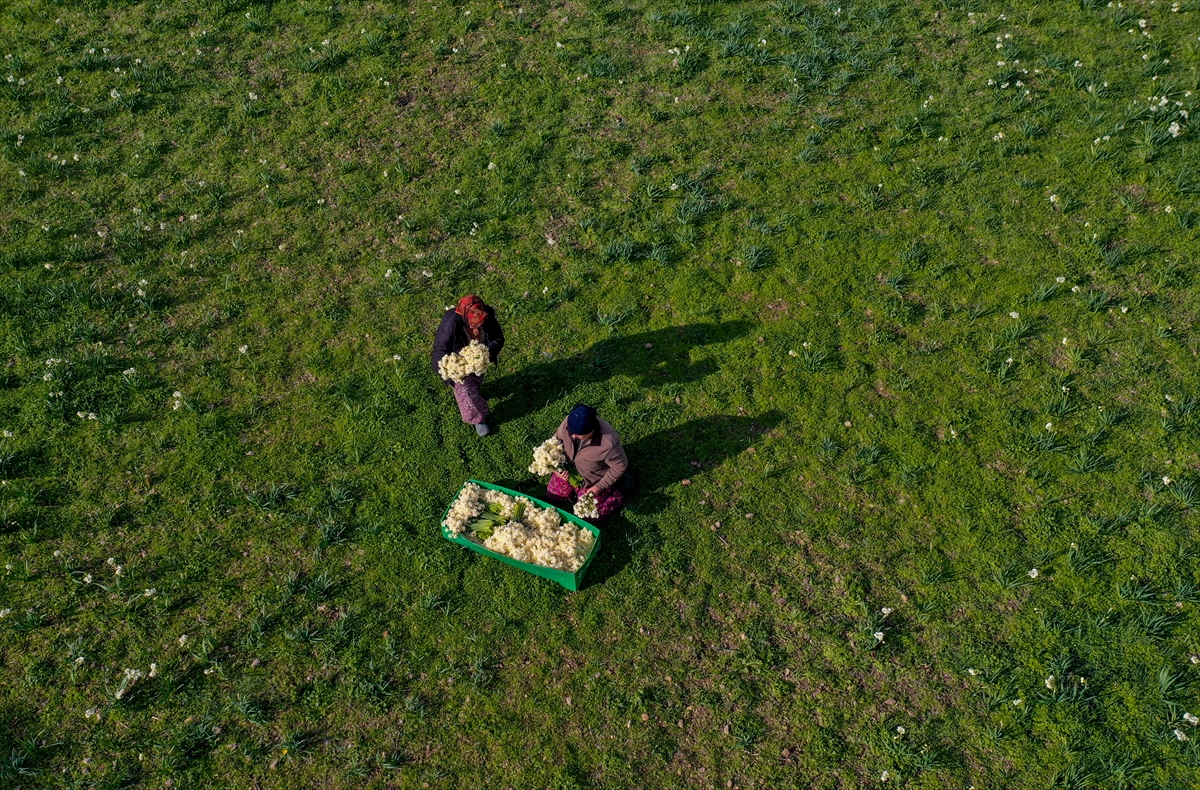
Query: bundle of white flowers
(517, 528)
(472, 360)
(469, 504)
(548, 458)
(586, 506)
(563, 546)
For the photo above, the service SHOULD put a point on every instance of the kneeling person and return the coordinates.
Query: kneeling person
(594, 449)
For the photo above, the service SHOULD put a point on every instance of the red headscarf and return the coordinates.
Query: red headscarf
(471, 308)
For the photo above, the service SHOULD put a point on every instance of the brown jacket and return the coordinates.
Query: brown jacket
(601, 460)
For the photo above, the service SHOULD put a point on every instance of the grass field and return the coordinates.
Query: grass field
(892, 303)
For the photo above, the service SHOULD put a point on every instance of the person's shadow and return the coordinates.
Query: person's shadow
(663, 459)
(656, 462)
(666, 361)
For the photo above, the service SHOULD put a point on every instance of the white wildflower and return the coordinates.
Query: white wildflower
(243, 349)
(1191, 719)
(1060, 280)
(1175, 129)
(1014, 314)
(1167, 481)
(1180, 735)
(5, 613)
(1050, 683)
(886, 611)
(1033, 573)
(878, 636)
(183, 639)
(132, 676)
(972, 671)
(153, 670)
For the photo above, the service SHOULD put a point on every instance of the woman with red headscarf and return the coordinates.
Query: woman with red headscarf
(470, 320)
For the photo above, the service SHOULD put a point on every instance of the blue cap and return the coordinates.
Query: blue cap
(581, 420)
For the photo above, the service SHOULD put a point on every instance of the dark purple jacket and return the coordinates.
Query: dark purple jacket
(452, 336)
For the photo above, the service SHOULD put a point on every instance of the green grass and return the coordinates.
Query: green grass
(776, 244)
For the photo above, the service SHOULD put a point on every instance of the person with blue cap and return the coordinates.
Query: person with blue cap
(593, 447)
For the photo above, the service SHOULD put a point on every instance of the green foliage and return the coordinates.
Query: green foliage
(892, 305)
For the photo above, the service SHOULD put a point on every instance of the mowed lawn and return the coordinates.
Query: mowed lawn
(892, 303)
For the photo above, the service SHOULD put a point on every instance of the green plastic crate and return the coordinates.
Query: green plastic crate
(569, 580)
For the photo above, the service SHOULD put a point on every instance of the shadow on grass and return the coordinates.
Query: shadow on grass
(526, 390)
(662, 459)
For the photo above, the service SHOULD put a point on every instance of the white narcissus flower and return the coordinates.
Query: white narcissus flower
(531, 534)
(548, 457)
(586, 507)
(473, 360)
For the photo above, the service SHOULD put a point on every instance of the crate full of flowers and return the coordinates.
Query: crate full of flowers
(521, 531)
